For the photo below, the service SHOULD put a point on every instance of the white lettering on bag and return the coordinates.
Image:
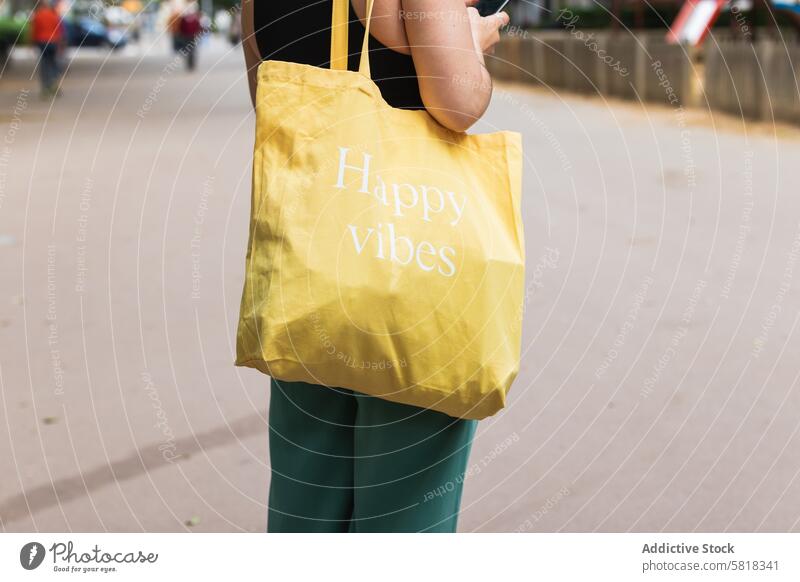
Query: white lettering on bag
(426, 202)
(399, 203)
(364, 170)
(403, 200)
(359, 247)
(459, 210)
(402, 249)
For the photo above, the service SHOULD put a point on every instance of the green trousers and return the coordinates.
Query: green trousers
(343, 461)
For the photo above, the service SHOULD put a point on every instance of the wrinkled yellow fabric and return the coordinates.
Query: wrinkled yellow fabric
(386, 252)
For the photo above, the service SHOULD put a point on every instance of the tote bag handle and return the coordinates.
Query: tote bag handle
(340, 20)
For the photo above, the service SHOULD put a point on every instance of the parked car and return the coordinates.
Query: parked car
(119, 18)
(85, 31)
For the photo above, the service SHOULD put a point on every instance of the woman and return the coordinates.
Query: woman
(343, 461)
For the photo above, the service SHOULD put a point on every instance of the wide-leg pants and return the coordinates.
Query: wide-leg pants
(343, 461)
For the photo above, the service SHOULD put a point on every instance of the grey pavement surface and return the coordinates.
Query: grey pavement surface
(659, 383)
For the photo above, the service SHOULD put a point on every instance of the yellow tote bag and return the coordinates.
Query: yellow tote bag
(386, 252)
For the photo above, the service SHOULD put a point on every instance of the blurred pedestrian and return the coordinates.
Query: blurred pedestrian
(190, 29)
(47, 34)
(174, 28)
(235, 27)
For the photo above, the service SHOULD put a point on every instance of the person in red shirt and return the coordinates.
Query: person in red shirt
(46, 33)
(190, 28)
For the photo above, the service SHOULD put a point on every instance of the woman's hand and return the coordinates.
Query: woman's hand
(485, 29)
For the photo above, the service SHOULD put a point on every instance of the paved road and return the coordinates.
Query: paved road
(659, 378)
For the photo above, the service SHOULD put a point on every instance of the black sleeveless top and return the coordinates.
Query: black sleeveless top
(299, 31)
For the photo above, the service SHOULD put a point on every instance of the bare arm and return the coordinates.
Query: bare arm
(447, 40)
(387, 24)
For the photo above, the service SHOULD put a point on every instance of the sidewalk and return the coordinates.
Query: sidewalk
(657, 388)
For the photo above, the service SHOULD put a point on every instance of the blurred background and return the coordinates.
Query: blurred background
(659, 381)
